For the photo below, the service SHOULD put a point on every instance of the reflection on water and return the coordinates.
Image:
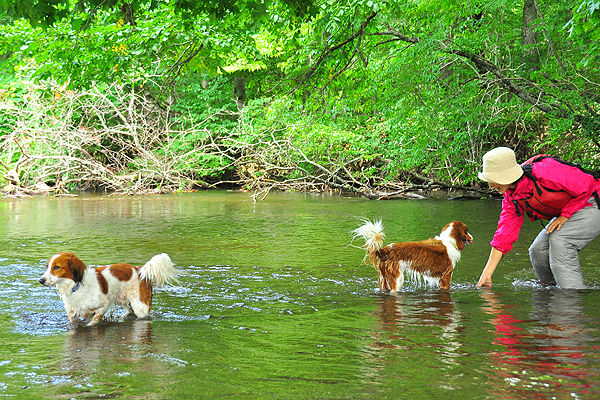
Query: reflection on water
(275, 304)
(435, 309)
(411, 324)
(552, 351)
(86, 347)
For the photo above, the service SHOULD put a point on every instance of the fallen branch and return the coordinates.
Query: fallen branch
(105, 138)
(122, 142)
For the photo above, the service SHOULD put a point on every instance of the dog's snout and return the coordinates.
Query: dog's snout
(43, 281)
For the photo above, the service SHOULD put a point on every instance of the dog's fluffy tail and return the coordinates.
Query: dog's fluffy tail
(159, 270)
(372, 233)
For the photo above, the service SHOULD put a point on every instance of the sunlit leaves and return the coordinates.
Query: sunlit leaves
(584, 28)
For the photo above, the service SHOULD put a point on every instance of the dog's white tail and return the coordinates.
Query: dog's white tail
(159, 270)
(372, 233)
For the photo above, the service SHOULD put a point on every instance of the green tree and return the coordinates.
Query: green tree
(369, 90)
(456, 80)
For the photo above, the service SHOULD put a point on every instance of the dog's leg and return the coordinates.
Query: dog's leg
(72, 316)
(129, 310)
(445, 283)
(140, 309)
(395, 285)
(98, 315)
(142, 303)
(99, 312)
(445, 280)
(381, 280)
(398, 283)
(97, 318)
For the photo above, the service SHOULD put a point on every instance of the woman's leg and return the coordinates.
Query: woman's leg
(539, 256)
(565, 244)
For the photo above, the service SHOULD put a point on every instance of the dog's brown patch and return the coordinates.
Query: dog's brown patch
(102, 280)
(122, 272)
(146, 293)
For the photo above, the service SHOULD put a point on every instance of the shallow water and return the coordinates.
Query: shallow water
(274, 304)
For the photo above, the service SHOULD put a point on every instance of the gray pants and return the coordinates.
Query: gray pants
(554, 256)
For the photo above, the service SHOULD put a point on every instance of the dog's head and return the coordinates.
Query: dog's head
(63, 266)
(458, 232)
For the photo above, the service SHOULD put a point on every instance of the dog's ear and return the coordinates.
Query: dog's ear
(77, 268)
(459, 232)
(464, 232)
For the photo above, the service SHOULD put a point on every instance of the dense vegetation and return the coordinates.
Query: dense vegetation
(377, 97)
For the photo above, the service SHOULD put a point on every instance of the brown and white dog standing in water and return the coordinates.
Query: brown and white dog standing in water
(90, 292)
(432, 259)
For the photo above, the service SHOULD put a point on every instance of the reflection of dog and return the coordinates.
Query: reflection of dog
(85, 348)
(89, 292)
(432, 259)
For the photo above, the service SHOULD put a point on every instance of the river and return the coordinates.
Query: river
(274, 303)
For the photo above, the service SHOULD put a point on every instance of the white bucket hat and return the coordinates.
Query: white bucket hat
(500, 166)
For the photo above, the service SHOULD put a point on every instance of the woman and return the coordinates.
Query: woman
(543, 188)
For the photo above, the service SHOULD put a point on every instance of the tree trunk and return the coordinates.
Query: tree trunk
(529, 37)
(239, 91)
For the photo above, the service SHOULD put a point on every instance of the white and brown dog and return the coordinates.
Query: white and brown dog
(433, 259)
(90, 292)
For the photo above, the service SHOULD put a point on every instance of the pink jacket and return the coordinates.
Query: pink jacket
(550, 174)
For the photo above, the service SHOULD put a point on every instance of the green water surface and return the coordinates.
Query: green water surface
(275, 304)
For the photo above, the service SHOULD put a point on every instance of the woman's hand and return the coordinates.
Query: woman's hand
(486, 276)
(485, 280)
(556, 224)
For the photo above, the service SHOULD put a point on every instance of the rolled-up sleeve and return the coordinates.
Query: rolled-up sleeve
(509, 227)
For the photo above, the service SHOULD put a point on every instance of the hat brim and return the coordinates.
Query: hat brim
(482, 176)
(506, 177)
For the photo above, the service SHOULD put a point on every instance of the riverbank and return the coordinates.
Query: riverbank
(406, 192)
